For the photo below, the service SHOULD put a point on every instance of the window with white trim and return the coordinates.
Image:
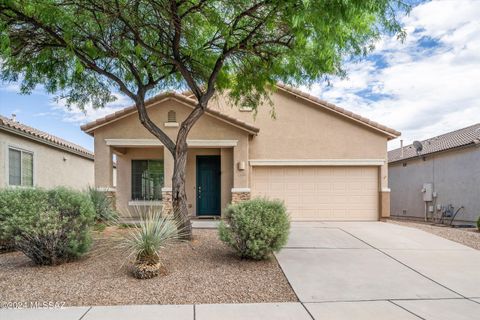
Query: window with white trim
(20, 167)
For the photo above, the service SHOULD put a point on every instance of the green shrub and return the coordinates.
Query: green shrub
(16, 209)
(256, 228)
(478, 223)
(103, 205)
(48, 226)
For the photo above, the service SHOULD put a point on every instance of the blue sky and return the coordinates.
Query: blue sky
(425, 86)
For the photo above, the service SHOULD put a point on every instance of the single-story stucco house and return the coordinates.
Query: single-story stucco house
(441, 178)
(30, 157)
(324, 162)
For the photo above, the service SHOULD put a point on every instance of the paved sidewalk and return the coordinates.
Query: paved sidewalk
(261, 311)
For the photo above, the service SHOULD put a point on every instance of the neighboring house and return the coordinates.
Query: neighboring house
(325, 162)
(448, 166)
(30, 157)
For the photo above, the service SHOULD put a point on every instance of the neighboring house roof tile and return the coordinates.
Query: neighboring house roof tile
(181, 97)
(451, 140)
(42, 137)
(375, 125)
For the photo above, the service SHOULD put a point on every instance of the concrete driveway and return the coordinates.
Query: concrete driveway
(377, 270)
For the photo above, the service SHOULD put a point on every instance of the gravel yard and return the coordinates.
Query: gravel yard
(201, 271)
(467, 236)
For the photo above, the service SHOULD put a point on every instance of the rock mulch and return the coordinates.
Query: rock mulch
(467, 236)
(201, 271)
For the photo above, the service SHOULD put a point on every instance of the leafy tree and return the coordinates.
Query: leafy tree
(84, 50)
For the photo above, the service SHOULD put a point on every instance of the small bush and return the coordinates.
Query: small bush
(256, 228)
(478, 223)
(103, 205)
(48, 226)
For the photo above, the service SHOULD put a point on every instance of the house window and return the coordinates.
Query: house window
(20, 168)
(147, 179)
(172, 116)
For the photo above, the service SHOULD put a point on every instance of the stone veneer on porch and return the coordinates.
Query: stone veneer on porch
(167, 207)
(240, 194)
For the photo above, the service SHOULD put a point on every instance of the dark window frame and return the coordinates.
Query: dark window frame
(147, 179)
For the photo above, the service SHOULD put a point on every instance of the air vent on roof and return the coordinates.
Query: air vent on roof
(172, 116)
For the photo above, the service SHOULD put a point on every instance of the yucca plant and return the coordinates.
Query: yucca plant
(144, 243)
(103, 206)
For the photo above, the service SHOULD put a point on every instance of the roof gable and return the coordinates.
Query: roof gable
(92, 126)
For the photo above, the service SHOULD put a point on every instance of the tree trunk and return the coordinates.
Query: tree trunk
(179, 153)
(179, 196)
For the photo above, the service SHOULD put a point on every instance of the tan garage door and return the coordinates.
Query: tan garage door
(321, 193)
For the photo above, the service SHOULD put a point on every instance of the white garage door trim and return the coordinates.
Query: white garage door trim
(321, 192)
(317, 162)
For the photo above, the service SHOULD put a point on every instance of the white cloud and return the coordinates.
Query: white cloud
(11, 87)
(76, 115)
(424, 90)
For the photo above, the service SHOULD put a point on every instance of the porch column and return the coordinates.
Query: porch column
(384, 191)
(103, 167)
(241, 189)
(226, 168)
(167, 207)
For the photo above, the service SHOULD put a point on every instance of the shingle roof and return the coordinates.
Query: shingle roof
(458, 138)
(181, 97)
(391, 132)
(43, 137)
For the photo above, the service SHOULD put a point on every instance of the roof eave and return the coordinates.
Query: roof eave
(89, 128)
(463, 146)
(45, 142)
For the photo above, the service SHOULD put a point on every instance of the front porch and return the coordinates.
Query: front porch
(216, 175)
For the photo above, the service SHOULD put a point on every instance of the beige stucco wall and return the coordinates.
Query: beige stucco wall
(130, 128)
(49, 167)
(300, 130)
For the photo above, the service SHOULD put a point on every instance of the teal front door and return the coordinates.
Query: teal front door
(208, 185)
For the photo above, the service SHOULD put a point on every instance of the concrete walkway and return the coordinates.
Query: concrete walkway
(376, 270)
(339, 271)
